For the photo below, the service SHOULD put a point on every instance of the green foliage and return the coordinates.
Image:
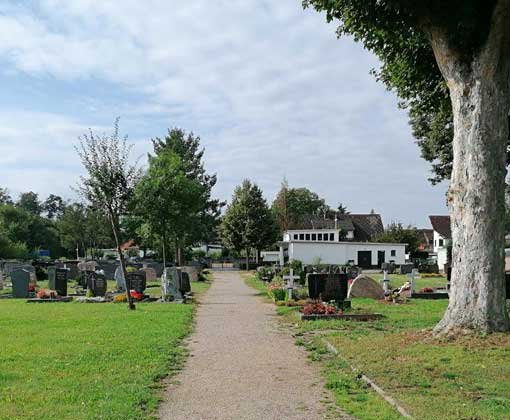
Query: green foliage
(397, 233)
(29, 202)
(248, 222)
(54, 206)
(397, 32)
(292, 205)
(22, 232)
(173, 199)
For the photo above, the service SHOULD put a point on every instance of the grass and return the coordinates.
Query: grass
(83, 361)
(468, 378)
(397, 280)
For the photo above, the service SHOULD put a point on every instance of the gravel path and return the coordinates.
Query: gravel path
(242, 366)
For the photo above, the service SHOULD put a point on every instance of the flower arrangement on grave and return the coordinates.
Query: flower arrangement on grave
(276, 289)
(427, 290)
(47, 294)
(120, 298)
(137, 296)
(321, 308)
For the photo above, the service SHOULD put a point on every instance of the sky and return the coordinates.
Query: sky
(267, 86)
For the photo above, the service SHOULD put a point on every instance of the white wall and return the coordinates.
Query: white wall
(442, 258)
(342, 252)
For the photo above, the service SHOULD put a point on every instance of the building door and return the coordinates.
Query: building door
(381, 258)
(365, 259)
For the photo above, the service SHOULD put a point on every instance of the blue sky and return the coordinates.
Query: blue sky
(266, 85)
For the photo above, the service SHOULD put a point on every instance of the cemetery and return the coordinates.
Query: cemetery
(191, 219)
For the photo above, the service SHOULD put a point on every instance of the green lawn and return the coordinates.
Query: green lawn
(397, 280)
(465, 379)
(84, 361)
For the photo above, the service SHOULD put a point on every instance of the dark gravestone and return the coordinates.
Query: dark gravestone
(336, 288)
(136, 281)
(57, 280)
(98, 284)
(20, 280)
(185, 286)
(406, 268)
(507, 278)
(316, 285)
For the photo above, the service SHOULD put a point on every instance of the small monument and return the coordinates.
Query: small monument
(57, 280)
(20, 281)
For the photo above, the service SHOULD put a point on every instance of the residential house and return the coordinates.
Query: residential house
(442, 238)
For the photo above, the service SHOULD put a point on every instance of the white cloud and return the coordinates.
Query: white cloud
(266, 85)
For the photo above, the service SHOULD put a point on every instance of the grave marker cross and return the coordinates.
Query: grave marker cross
(290, 281)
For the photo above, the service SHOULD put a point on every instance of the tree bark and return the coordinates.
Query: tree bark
(115, 227)
(480, 95)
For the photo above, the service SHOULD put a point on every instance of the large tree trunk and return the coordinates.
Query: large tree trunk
(479, 91)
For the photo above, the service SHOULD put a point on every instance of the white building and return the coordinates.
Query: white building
(442, 237)
(362, 254)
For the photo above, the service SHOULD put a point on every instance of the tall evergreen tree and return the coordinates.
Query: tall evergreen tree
(248, 222)
(198, 224)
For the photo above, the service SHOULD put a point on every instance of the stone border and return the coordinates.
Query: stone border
(430, 295)
(389, 399)
(348, 317)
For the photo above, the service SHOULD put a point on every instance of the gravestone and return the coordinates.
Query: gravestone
(119, 278)
(20, 281)
(136, 281)
(185, 286)
(97, 284)
(108, 268)
(507, 288)
(87, 266)
(406, 268)
(367, 287)
(150, 274)
(316, 284)
(171, 281)
(192, 271)
(336, 288)
(57, 280)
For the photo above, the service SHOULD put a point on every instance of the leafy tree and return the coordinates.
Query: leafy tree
(110, 181)
(169, 201)
(342, 210)
(468, 41)
(29, 201)
(28, 230)
(199, 221)
(293, 205)
(248, 222)
(397, 233)
(53, 206)
(5, 196)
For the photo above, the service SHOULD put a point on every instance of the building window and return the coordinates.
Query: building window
(296, 236)
(314, 237)
(325, 237)
(307, 236)
(393, 253)
(301, 236)
(331, 236)
(319, 236)
(441, 242)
